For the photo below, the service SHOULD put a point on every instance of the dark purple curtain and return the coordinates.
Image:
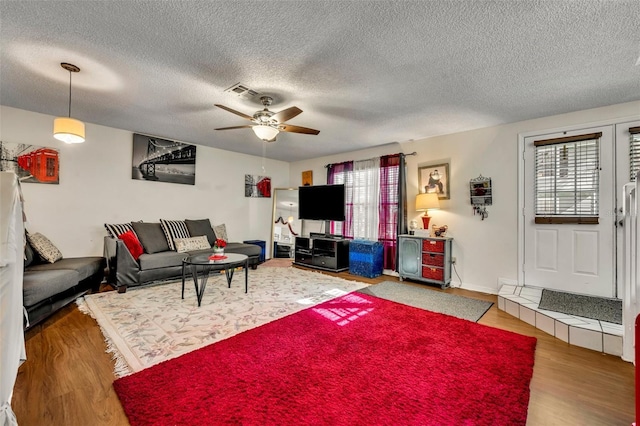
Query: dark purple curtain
(388, 227)
(336, 174)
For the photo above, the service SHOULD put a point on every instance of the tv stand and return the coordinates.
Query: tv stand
(328, 253)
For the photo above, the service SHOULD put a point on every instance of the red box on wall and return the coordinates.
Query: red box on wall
(433, 273)
(432, 259)
(436, 246)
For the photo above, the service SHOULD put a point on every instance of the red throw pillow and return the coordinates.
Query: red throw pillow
(133, 244)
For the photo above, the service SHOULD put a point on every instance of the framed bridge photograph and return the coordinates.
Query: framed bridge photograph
(163, 160)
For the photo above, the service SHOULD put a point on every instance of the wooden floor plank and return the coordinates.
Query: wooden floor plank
(67, 379)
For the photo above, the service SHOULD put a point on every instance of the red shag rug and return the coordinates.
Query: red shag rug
(354, 360)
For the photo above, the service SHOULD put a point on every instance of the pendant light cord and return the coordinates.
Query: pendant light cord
(70, 94)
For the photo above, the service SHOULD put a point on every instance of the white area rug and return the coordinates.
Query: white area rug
(148, 325)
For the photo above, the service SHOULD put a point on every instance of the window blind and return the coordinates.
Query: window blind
(567, 179)
(634, 152)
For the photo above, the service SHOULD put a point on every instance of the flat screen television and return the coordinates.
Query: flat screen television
(321, 202)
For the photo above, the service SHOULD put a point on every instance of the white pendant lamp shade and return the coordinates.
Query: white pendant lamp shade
(266, 133)
(68, 130)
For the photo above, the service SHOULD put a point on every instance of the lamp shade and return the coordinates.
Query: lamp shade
(428, 201)
(68, 130)
(266, 133)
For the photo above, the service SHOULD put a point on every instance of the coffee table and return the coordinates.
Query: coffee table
(201, 266)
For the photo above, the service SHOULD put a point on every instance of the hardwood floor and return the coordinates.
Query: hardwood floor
(67, 379)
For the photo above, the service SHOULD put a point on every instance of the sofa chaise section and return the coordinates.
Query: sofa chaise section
(47, 287)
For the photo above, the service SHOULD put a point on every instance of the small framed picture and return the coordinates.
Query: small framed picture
(307, 178)
(257, 186)
(434, 179)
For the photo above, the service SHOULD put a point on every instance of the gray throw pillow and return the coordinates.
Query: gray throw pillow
(151, 236)
(201, 227)
(29, 256)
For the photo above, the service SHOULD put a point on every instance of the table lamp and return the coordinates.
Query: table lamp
(426, 202)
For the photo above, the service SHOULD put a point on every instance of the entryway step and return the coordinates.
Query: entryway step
(522, 302)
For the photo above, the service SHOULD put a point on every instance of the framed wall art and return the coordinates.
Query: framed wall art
(434, 178)
(307, 178)
(31, 163)
(163, 160)
(257, 186)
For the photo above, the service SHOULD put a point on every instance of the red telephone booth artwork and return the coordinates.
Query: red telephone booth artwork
(257, 186)
(40, 165)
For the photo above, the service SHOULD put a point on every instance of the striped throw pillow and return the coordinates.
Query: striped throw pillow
(174, 229)
(116, 229)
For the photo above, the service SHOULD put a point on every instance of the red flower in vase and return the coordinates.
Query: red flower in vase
(220, 243)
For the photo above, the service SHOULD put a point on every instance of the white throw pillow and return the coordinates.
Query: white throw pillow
(221, 232)
(44, 247)
(193, 243)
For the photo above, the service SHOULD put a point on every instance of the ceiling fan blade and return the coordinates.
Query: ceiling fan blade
(241, 114)
(286, 114)
(297, 129)
(234, 127)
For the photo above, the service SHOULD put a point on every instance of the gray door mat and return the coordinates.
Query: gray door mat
(431, 300)
(598, 308)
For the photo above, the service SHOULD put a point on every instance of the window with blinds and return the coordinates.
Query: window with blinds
(634, 152)
(567, 176)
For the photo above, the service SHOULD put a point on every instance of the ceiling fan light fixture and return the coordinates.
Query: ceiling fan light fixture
(67, 129)
(266, 133)
(267, 124)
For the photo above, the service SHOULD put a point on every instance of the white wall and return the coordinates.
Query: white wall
(485, 250)
(96, 187)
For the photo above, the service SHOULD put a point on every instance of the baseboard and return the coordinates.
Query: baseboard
(484, 289)
(506, 281)
(473, 287)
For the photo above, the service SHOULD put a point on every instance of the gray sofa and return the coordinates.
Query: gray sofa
(48, 287)
(159, 262)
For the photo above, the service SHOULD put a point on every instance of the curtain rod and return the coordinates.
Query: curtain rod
(398, 153)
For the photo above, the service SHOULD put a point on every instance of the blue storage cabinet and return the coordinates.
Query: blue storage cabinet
(263, 247)
(365, 258)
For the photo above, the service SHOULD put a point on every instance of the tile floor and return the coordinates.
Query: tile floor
(522, 302)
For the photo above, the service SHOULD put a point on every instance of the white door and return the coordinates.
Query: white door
(561, 253)
(623, 176)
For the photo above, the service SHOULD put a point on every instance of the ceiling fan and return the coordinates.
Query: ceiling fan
(267, 124)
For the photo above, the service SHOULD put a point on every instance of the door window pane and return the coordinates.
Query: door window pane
(567, 179)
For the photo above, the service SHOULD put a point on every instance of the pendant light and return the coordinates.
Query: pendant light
(290, 218)
(67, 129)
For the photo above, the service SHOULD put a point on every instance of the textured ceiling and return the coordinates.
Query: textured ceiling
(365, 73)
